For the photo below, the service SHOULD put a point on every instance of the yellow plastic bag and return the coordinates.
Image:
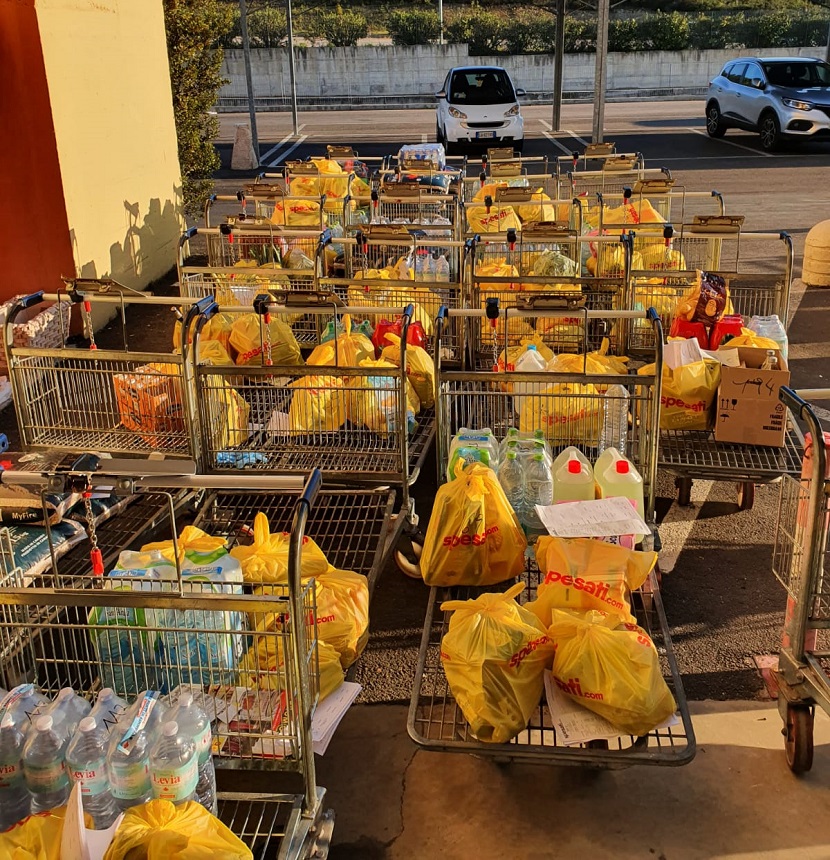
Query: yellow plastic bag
(655, 256)
(539, 209)
(474, 537)
(489, 189)
(229, 412)
(499, 269)
(748, 337)
(494, 655)
(213, 353)
(615, 673)
(246, 339)
(584, 574)
(262, 667)
(348, 349)
(420, 368)
(498, 219)
(159, 830)
(295, 212)
(688, 395)
(266, 559)
(373, 400)
(568, 413)
(636, 212)
(37, 837)
(217, 328)
(318, 404)
(192, 542)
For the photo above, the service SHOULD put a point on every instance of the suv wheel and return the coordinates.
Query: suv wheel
(714, 121)
(770, 130)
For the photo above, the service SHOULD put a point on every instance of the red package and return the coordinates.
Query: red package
(731, 324)
(415, 334)
(689, 330)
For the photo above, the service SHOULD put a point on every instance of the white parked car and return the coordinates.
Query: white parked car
(479, 104)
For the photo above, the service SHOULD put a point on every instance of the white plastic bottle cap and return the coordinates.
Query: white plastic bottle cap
(87, 724)
(65, 693)
(106, 693)
(171, 729)
(44, 724)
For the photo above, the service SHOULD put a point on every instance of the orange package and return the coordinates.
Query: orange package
(150, 402)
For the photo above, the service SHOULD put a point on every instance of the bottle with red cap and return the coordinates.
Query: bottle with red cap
(573, 481)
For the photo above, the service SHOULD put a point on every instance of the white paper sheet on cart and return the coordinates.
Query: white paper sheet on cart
(679, 353)
(597, 518)
(577, 725)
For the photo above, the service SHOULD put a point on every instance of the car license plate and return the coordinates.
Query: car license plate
(485, 134)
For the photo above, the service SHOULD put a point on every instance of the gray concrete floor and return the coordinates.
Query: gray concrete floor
(736, 800)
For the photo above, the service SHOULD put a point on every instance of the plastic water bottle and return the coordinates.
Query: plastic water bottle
(528, 362)
(422, 266)
(194, 723)
(44, 765)
(67, 711)
(108, 709)
(442, 270)
(86, 760)
(615, 419)
(573, 481)
(511, 478)
(128, 753)
(538, 491)
(25, 704)
(174, 765)
(773, 328)
(15, 800)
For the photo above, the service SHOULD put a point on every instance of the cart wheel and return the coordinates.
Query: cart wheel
(746, 495)
(798, 735)
(321, 834)
(684, 491)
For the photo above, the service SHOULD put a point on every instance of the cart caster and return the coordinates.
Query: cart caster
(684, 491)
(798, 738)
(414, 545)
(322, 833)
(746, 495)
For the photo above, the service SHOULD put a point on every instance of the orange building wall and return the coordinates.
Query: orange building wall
(35, 246)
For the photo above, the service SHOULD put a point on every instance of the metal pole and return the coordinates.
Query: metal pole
(559, 64)
(601, 70)
(291, 70)
(440, 22)
(249, 78)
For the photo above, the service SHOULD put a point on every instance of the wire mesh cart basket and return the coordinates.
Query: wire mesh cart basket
(180, 631)
(801, 562)
(481, 399)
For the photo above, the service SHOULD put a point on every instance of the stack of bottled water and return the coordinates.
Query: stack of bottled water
(525, 476)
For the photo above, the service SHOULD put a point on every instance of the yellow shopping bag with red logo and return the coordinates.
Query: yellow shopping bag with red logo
(568, 413)
(688, 395)
(296, 212)
(474, 537)
(494, 655)
(584, 574)
(497, 218)
(612, 671)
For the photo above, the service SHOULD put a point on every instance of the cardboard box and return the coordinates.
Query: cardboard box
(150, 404)
(748, 409)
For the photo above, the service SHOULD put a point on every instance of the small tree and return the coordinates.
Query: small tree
(665, 32)
(267, 27)
(194, 28)
(523, 34)
(341, 29)
(413, 26)
(482, 31)
(624, 35)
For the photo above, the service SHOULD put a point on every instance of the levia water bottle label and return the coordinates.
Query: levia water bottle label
(46, 778)
(140, 720)
(10, 773)
(203, 741)
(128, 782)
(92, 779)
(176, 784)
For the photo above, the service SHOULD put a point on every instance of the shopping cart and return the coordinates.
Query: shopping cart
(592, 158)
(483, 399)
(417, 206)
(57, 635)
(672, 203)
(500, 166)
(617, 173)
(801, 562)
(127, 401)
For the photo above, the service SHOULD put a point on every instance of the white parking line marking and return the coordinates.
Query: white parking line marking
(273, 149)
(555, 142)
(287, 152)
(546, 124)
(423, 138)
(574, 135)
(678, 524)
(732, 143)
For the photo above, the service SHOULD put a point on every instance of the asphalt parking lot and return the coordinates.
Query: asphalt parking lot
(722, 601)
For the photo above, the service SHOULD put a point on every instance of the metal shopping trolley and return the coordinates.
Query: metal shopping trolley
(592, 158)
(417, 206)
(801, 562)
(56, 633)
(127, 401)
(618, 172)
(483, 399)
(502, 166)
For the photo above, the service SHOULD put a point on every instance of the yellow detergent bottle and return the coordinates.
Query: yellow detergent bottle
(619, 477)
(573, 481)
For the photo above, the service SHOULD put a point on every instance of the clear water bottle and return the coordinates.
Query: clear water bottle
(538, 491)
(67, 711)
(44, 765)
(615, 419)
(108, 709)
(174, 765)
(442, 270)
(194, 723)
(128, 753)
(86, 760)
(25, 704)
(511, 478)
(15, 800)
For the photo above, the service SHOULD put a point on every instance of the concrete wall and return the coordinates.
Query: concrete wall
(111, 105)
(396, 75)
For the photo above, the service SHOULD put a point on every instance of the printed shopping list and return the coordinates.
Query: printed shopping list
(575, 724)
(597, 518)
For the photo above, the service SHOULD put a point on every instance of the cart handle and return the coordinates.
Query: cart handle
(312, 487)
(31, 300)
(797, 400)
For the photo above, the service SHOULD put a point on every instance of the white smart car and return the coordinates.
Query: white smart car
(479, 104)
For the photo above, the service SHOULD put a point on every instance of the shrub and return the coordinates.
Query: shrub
(624, 35)
(523, 35)
(580, 36)
(482, 31)
(194, 28)
(267, 27)
(340, 29)
(413, 26)
(665, 32)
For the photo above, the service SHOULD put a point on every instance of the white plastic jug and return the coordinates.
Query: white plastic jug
(620, 478)
(571, 451)
(573, 481)
(605, 459)
(529, 362)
